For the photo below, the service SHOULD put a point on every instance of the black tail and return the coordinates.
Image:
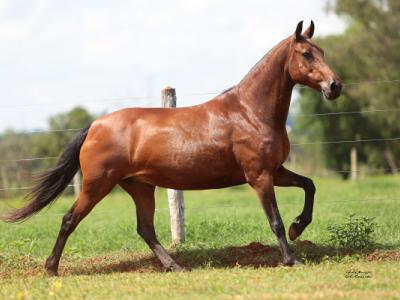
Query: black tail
(50, 184)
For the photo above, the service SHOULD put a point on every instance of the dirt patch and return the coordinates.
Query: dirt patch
(305, 244)
(89, 266)
(34, 271)
(252, 248)
(393, 255)
(112, 264)
(253, 255)
(22, 266)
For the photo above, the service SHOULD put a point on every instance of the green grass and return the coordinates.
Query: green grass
(106, 258)
(325, 281)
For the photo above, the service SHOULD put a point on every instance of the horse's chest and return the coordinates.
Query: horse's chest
(273, 149)
(264, 151)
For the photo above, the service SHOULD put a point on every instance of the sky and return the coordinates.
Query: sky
(107, 55)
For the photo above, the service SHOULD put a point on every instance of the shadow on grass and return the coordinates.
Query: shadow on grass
(254, 255)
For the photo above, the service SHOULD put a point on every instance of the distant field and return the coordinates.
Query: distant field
(106, 258)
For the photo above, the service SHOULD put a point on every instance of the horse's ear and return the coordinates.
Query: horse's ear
(299, 28)
(310, 30)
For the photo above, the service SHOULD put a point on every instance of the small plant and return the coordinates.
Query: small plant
(355, 233)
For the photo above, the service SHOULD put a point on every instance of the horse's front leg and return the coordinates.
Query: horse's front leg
(263, 184)
(284, 177)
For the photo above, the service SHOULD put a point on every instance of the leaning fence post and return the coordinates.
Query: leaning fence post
(175, 197)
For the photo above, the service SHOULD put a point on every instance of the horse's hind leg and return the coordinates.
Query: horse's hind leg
(284, 177)
(143, 195)
(92, 192)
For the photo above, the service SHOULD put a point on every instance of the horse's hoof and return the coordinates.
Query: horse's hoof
(51, 268)
(52, 273)
(293, 263)
(297, 263)
(293, 231)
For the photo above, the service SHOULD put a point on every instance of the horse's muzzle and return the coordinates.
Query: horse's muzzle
(332, 90)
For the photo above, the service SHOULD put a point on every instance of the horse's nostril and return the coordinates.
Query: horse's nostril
(333, 86)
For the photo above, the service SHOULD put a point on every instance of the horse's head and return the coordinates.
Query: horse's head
(307, 66)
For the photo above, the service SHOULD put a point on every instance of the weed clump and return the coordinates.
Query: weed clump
(356, 233)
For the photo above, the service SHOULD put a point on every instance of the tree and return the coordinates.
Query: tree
(366, 52)
(62, 127)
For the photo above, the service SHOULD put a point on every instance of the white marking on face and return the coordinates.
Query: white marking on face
(324, 85)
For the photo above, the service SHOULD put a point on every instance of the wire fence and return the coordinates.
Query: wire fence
(293, 144)
(73, 130)
(253, 205)
(142, 98)
(24, 188)
(343, 113)
(379, 110)
(347, 141)
(383, 110)
(28, 159)
(354, 112)
(370, 170)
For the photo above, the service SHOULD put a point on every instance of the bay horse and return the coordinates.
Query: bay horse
(241, 133)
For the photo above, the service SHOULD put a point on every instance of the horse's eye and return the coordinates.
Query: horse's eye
(307, 55)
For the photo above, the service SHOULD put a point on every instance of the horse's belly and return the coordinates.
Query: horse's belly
(191, 172)
(192, 183)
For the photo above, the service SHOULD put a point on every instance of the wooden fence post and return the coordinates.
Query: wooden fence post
(4, 180)
(77, 184)
(353, 163)
(175, 197)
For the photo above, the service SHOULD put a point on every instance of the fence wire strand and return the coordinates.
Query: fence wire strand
(301, 115)
(238, 206)
(351, 112)
(292, 144)
(24, 188)
(347, 141)
(28, 159)
(143, 98)
(305, 173)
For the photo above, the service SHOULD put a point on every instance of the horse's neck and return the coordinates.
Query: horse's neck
(266, 90)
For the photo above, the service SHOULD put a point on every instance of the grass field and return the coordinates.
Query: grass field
(230, 251)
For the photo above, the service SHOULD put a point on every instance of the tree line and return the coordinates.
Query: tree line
(367, 52)
(14, 146)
